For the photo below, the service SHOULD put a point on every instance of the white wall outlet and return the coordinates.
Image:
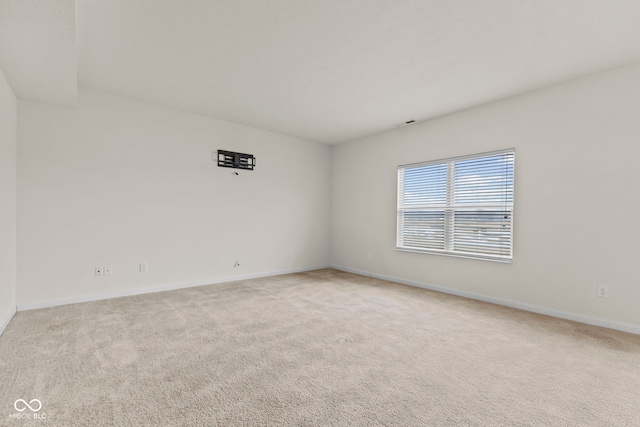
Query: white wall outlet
(144, 267)
(108, 270)
(369, 256)
(237, 264)
(99, 271)
(603, 291)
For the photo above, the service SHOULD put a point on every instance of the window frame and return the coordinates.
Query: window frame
(450, 208)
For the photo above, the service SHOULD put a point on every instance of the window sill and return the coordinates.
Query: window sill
(502, 260)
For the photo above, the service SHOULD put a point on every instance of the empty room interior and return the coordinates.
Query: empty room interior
(248, 212)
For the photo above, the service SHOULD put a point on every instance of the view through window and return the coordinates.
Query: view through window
(460, 206)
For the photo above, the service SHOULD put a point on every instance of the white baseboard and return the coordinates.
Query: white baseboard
(161, 288)
(634, 329)
(6, 321)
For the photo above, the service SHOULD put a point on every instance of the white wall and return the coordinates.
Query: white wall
(577, 203)
(118, 182)
(7, 202)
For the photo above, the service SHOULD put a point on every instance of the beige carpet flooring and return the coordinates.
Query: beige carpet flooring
(318, 348)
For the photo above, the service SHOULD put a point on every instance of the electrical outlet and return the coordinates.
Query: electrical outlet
(99, 271)
(108, 270)
(237, 264)
(369, 256)
(603, 291)
(144, 267)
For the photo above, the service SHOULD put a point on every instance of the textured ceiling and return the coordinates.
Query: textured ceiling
(328, 70)
(38, 54)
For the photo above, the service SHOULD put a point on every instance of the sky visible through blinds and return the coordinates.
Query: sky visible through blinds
(477, 181)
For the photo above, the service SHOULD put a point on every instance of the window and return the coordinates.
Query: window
(461, 206)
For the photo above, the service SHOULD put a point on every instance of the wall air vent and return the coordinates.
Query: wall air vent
(231, 159)
(407, 123)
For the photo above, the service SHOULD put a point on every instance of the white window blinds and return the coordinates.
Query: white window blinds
(461, 206)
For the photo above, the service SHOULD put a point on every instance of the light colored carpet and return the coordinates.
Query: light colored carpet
(317, 348)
